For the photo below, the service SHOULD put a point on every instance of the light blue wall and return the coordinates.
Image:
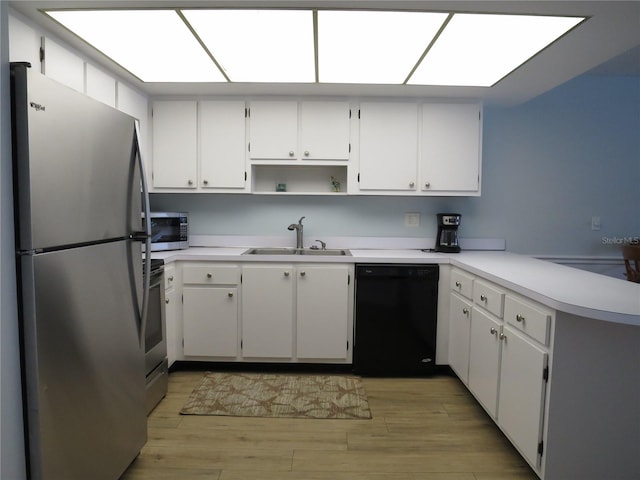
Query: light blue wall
(548, 167)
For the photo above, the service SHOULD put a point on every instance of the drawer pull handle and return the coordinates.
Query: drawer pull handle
(519, 318)
(209, 275)
(465, 311)
(493, 331)
(458, 284)
(286, 274)
(303, 273)
(483, 298)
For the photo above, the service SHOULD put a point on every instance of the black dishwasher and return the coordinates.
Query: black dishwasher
(396, 313)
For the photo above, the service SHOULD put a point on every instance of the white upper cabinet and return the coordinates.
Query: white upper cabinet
(222, 140)
(175, 144)
(62, 65)
(199, 145)
(290, 130)
(388, 146)
(324, 130)
(100, 86)
(273, 130)
(450, 149)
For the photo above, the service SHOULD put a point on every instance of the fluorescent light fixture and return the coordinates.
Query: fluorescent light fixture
(480, 49)
(378, 47)
(259, 45)
(154, 45)
(343, 46)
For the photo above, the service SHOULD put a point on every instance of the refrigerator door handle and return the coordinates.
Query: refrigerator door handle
(146, 235)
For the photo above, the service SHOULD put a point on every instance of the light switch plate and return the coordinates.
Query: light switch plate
(411, 219)
(595, 223)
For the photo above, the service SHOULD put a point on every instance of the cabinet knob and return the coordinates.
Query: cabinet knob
(291, 153)
(465, 311)
(209, 275)
(427, 185)
(493, 331)
(303, 273)
(412, 184)
(458, 284)
(519, 318)
(166, 300)
(306, 153)
(230, 294)
(206, 182)
(502, 336)
(190, 182)
(171, 278)
(286, 274)
(483, 298)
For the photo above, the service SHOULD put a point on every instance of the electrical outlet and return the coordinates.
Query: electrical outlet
(411, 219)
(595, 223)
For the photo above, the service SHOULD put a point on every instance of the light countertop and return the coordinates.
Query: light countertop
(559, 287)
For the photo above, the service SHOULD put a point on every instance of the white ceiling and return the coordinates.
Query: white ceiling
(607, 43)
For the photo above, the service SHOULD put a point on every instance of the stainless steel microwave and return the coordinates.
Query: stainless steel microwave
(169, 230)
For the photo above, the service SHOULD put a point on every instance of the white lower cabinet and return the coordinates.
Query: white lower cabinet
(503, 362)
(210, 310)
(522, 393)
(210, 321)
(459, 331)
(484, 359)
(267, 311)
(297, 312)
(322, 312)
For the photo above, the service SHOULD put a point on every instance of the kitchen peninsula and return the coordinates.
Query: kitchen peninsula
(563, 385)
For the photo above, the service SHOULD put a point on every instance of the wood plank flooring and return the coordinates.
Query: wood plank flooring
(422, 429)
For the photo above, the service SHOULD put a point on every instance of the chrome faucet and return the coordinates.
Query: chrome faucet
(298, 228)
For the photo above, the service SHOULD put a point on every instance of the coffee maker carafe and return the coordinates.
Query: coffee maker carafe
(447, 238)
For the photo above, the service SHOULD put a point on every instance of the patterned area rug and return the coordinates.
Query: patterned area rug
(275, 395)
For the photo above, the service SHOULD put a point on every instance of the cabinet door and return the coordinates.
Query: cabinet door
(388, 146)
(522, 393)
(267, 311)
(484, 360)
(222, 145)
(174, 144)
(273, 130)
(324, 130)
(322, 311)
(450, 151)
(210, 316)
(62, 65)
(172, 320)
(460, 312)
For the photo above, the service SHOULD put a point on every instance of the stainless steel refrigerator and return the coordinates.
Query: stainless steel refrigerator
(77, 197)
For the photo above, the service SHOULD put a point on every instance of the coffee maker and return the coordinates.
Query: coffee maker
(447, 238)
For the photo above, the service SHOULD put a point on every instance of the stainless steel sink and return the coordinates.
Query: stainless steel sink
(296, 251)
(328, 252)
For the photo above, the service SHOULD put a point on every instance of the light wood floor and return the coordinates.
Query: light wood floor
(422, 429)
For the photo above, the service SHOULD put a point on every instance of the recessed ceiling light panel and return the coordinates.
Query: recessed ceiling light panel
(372, 46)
(258, 45)
(480, 49)
(154, 45)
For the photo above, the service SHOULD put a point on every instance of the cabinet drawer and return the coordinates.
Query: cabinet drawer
(488, 297)
(530, 318)
(462, 283)
(211, 274)
(169, 277)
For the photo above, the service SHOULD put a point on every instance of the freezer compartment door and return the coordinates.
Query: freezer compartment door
(84, 367)
(75, 166)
